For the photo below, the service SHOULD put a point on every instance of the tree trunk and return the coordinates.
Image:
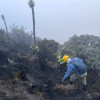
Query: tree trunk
(33, 17)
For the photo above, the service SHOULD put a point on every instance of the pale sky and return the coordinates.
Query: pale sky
(55, 19)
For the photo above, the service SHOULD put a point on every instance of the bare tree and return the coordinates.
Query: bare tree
(31, 5)
(3, 18)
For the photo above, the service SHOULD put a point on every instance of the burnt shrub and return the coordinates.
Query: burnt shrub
(48, 48)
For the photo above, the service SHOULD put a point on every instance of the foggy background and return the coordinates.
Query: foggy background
(55, 19)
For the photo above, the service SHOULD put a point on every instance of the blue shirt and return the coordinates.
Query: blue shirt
(71, 67)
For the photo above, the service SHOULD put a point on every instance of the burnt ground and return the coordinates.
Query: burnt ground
(38, 84)
(55, 90)
(28, 80)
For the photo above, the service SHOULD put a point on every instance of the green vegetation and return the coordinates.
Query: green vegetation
(86, 47)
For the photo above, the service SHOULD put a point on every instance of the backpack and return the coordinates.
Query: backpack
(80, 66)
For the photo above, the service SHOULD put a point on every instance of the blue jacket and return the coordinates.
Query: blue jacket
(71, 67)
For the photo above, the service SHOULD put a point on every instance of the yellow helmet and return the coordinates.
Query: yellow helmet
(64, 58)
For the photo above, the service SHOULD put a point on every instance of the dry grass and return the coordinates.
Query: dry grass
(18, 91)
(63, 89)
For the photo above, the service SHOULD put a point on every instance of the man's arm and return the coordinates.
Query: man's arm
(68, 72)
